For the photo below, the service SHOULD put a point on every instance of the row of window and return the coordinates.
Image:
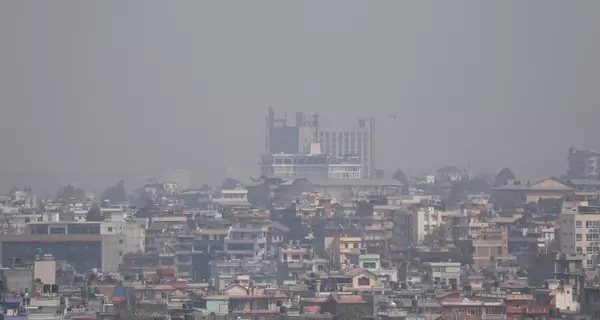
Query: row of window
(345, 135)
(588, 250)
(588, 237)
(478, 311)
(588, 224)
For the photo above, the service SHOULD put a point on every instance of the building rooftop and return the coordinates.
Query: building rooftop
(48, 238)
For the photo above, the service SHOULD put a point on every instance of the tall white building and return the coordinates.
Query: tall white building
(579, 231)
(351, 142)
(313, 164)
(414, 225)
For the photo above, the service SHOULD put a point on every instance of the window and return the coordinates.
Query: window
(490, 311)
(120, 253)
(109, 229)
(27, 220)
(356, 245)
(517, 305)
(473, 311)
(579, 250)
(120, 241)
(578, 237)
(592, 224)
(369, 265)
(578, 224)
(364, 281)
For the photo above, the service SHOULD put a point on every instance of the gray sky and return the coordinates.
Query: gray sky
(93, 89)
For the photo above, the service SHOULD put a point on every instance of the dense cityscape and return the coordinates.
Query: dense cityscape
(319, 233)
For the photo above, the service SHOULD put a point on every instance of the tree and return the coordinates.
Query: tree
(353, 313)
(503, 177)
(70, 193)
(116, 193)
(95, 214)
(458, 192)
(401, 177)
(477, 185)
(230, 183)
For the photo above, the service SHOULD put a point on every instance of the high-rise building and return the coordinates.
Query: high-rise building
(579, 226)
(583, 164)
(313, 164)
(292, 136)
(355, 142)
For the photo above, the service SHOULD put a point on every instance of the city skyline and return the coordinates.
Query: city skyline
(473, 85)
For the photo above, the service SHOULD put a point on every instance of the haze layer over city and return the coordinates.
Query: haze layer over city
(94, 92)
(295, 160)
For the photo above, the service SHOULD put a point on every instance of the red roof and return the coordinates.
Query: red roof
(179, 284)
(348, 299)
(312, 309)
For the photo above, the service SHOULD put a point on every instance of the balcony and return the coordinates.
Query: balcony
(207, 242)
(245, 240)
(184, 262)
(537, 310)
(373, 238)
(166, 254)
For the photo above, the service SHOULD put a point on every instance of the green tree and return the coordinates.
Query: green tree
(402, 178)
(70, 193)
(116, 193)
(353, 313)
(94, 214)
(503, 176)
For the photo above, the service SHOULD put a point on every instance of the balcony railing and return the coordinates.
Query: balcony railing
(537, 310)
(493, 317)
(245, 240)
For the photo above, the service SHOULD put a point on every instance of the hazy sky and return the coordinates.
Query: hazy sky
(96, 89)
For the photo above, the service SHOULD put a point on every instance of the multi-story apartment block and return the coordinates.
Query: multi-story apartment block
(247, 240)
(351, 142)
(225, 272)
(309, 165)
(579, 232)
(414, 224)
(294, 165)
(292, 136)
(446, 273)
(583, 164)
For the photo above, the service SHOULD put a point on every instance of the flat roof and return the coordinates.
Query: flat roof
(354, 182)
(49, 238)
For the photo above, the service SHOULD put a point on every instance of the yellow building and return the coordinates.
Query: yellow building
(364, 280)
(338, 247)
